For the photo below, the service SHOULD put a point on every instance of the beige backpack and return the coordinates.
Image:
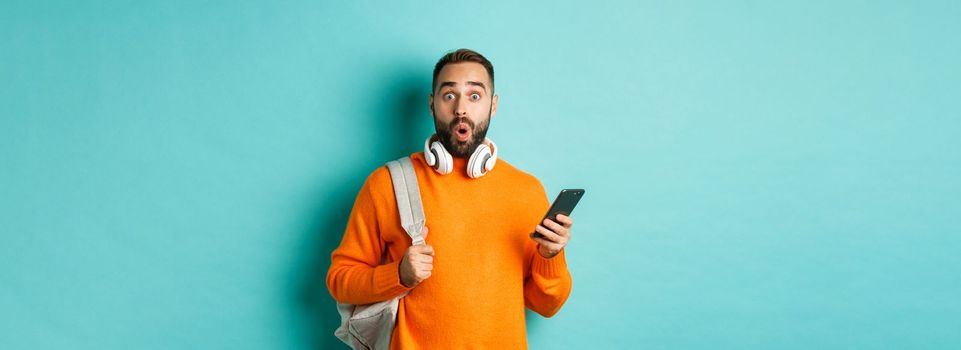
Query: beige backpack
(369, 326)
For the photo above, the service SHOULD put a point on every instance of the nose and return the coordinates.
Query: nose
(460, 107)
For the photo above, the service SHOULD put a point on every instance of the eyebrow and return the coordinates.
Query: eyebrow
(451, 83)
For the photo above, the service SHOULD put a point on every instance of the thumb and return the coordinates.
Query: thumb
(424, 232)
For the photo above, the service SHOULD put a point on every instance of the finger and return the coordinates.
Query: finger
(426, 249)
(565, 220)
(557, 228)
(548, 244)
(423, 277)
(562, 234)
(553, 225)
(424, 232)
(418, 258)
(548, 234)
(563, 231)
(542, 241)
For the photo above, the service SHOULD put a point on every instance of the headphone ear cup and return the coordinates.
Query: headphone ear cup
(488, 163)
(433, 158)
(479, 169)
(477, 163)
(444, 163)
(448, 161)
(491, 161)
(429, 155)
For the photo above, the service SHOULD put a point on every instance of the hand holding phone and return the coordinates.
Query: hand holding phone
(563, 204)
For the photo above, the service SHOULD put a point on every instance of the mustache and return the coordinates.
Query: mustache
(458, 120)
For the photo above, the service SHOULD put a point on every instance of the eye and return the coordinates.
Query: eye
(448, 96)
(475, 97)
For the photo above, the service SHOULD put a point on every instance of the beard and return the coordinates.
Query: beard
(458, 148)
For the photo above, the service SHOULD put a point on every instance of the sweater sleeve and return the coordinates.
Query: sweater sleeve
(356, 275)
(549, 284)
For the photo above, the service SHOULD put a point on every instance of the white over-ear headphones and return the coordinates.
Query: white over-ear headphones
(480, 163)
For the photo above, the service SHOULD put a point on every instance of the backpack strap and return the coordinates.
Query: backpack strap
(408, 198)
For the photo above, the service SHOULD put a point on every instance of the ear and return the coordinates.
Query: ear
(430, 103)
(493, 106)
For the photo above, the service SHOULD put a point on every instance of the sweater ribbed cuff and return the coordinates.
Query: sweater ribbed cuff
(387, 279)
(550, 268)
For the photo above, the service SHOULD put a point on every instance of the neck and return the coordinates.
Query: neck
(465, 158)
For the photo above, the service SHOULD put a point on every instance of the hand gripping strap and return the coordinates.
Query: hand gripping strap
(408, 198)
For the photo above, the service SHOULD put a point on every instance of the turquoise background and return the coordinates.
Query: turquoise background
(759, 175)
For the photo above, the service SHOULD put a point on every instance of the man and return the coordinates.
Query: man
(480, 266)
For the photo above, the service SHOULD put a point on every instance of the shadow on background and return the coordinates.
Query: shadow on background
(406, 122)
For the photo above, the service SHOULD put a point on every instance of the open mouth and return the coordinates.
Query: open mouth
(462, 131)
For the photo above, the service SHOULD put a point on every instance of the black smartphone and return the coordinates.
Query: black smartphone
(563, 204)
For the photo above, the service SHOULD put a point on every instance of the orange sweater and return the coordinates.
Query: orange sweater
(486, 268)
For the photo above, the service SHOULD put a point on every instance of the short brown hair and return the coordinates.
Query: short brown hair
(459, 56)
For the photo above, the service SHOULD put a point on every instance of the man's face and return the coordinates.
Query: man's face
(462, 105)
